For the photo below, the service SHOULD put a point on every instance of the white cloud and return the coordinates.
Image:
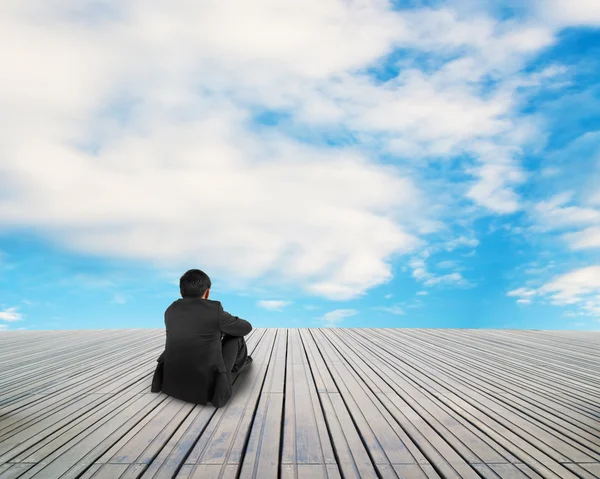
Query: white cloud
(494, 188)
(417, 263)
(579, 288)
(585, 239)
(390, 309)
(447, 264)
(570, 12)
(10, 314)
(421, 274)
(447, 278)
(591, 307)
(580, 225)
(273, 305)
(554, 214)
(572, 287)
(105, 177)
(337, 316)
(461, 241)
(522, 293)
(538, 268)
(197, 150)
(422, 293)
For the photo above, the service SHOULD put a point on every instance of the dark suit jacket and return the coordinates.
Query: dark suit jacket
(191, 368)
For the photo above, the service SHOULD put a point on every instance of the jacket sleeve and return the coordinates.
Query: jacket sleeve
(232, 325)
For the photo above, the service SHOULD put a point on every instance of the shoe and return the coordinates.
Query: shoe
(244, 366)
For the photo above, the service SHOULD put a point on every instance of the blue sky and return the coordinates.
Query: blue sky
(333, 164)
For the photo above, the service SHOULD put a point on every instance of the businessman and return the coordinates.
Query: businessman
(205, 348)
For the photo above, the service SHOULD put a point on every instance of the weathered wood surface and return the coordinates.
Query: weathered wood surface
(316, 403)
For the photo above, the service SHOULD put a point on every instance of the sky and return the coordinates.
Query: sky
(422, 164)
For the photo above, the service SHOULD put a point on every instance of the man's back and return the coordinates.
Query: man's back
(194, 370)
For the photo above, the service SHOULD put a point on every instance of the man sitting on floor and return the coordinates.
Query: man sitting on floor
(205, 347)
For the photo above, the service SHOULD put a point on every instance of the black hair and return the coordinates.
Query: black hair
(194, 283)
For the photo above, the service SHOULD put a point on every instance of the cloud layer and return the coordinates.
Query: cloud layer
(139, 130)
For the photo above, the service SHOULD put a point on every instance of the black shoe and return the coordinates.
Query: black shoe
(244, 366)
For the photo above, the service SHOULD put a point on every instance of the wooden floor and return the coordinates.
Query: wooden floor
(331, 402)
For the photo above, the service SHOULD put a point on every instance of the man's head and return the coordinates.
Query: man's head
(194, 284)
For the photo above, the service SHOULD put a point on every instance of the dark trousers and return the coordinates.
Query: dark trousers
(235, 353)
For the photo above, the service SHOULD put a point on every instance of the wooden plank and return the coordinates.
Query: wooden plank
(546, 420)
(523, 383)
(201, 471)
(92, 382)
(508, 470)
(577, 427)
(223, 441)
(42, 415)
(578, 338)
(17, 347)
(431, 428)
(352, 456)
(145, 440)
(519, 363)
(375, 424)
(12, 470)
(577, 348)
(329, 403)
(497, 352)
(55, 357)
(591, 467)
(484, 416)
(307, 447)
(62, 457)
(76, 371)
(48, 414)
(196, 425)
(261, 457)
(109, 471)
(561, 365)
(89, 472)
(414, 431)
(64, 460)
(309, 471)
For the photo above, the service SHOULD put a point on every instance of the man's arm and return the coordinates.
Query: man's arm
(232, 325)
